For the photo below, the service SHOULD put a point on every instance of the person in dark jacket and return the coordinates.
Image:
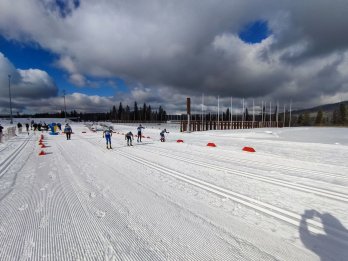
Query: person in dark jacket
(163, 139)
(139, 129)
(1, 128)
(68, 131)
(19, 126)
(129, 138)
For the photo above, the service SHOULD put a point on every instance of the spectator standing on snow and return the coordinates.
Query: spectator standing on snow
(139, 129)
(163, 139)
(129, 138)
(19, 126)
(68, 131)
(107, 134)
(27, 126)
(1, 128)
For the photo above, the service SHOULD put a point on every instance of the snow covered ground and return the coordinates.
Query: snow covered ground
(176, 201)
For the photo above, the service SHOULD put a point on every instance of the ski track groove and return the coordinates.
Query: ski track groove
(312, 174)
(304, 188)
(69, 194)
(74, 204)
(268, 209)
(178, 253)
(4, 165)
(279, 214)
(16, 211)
(115, 218)
(289, 217)
(129, 235)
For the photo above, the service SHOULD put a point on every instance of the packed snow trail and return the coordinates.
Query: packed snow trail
(84, 202)
(322, 192)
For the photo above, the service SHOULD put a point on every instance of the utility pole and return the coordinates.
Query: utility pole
(218, 118)
(202, 112)
(290, 114)
(284, 117)
(253, 113)
(64, 105)
(277, 113)
(243, 114)
(9, 92)
(262, 114)
(270, 114)
(231, 113)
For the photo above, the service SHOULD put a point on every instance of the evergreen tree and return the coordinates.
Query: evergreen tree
(228, 115)
(342, 114)
(144, 112)
(120, 112)
(127, 113)
(335, 117)
(319, 118)
(160, 113)
(300, 120)
(149, 113)
(136, 111)
(306, 119)
(114, 113)
(246, 114)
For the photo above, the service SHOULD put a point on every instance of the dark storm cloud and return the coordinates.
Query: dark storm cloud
(192, 47)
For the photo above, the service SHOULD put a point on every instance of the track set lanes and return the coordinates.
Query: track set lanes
(173, 244)
(305, 188)
(313, 174)
(280, 214)
(285, 248)
(8, 160)
(265, 208)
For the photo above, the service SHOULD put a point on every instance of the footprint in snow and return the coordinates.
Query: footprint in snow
(100, 214)
(23, 207)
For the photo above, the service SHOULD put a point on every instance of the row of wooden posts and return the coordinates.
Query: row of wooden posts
(227, 125)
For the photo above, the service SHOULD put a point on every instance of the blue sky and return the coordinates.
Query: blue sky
(254, 32)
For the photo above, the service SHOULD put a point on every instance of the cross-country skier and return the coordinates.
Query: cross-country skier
(163, 139)
(129, 138)
(139, 129)
(68, 131)
(107, 134)
(1, 128)
(19, 126)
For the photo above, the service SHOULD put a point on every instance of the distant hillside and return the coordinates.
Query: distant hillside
(326, 108)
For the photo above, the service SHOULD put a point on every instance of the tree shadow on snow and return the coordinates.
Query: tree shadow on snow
(333, 245)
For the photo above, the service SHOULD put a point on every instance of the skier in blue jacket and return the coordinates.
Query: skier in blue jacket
(107, 134)
(67, 131)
